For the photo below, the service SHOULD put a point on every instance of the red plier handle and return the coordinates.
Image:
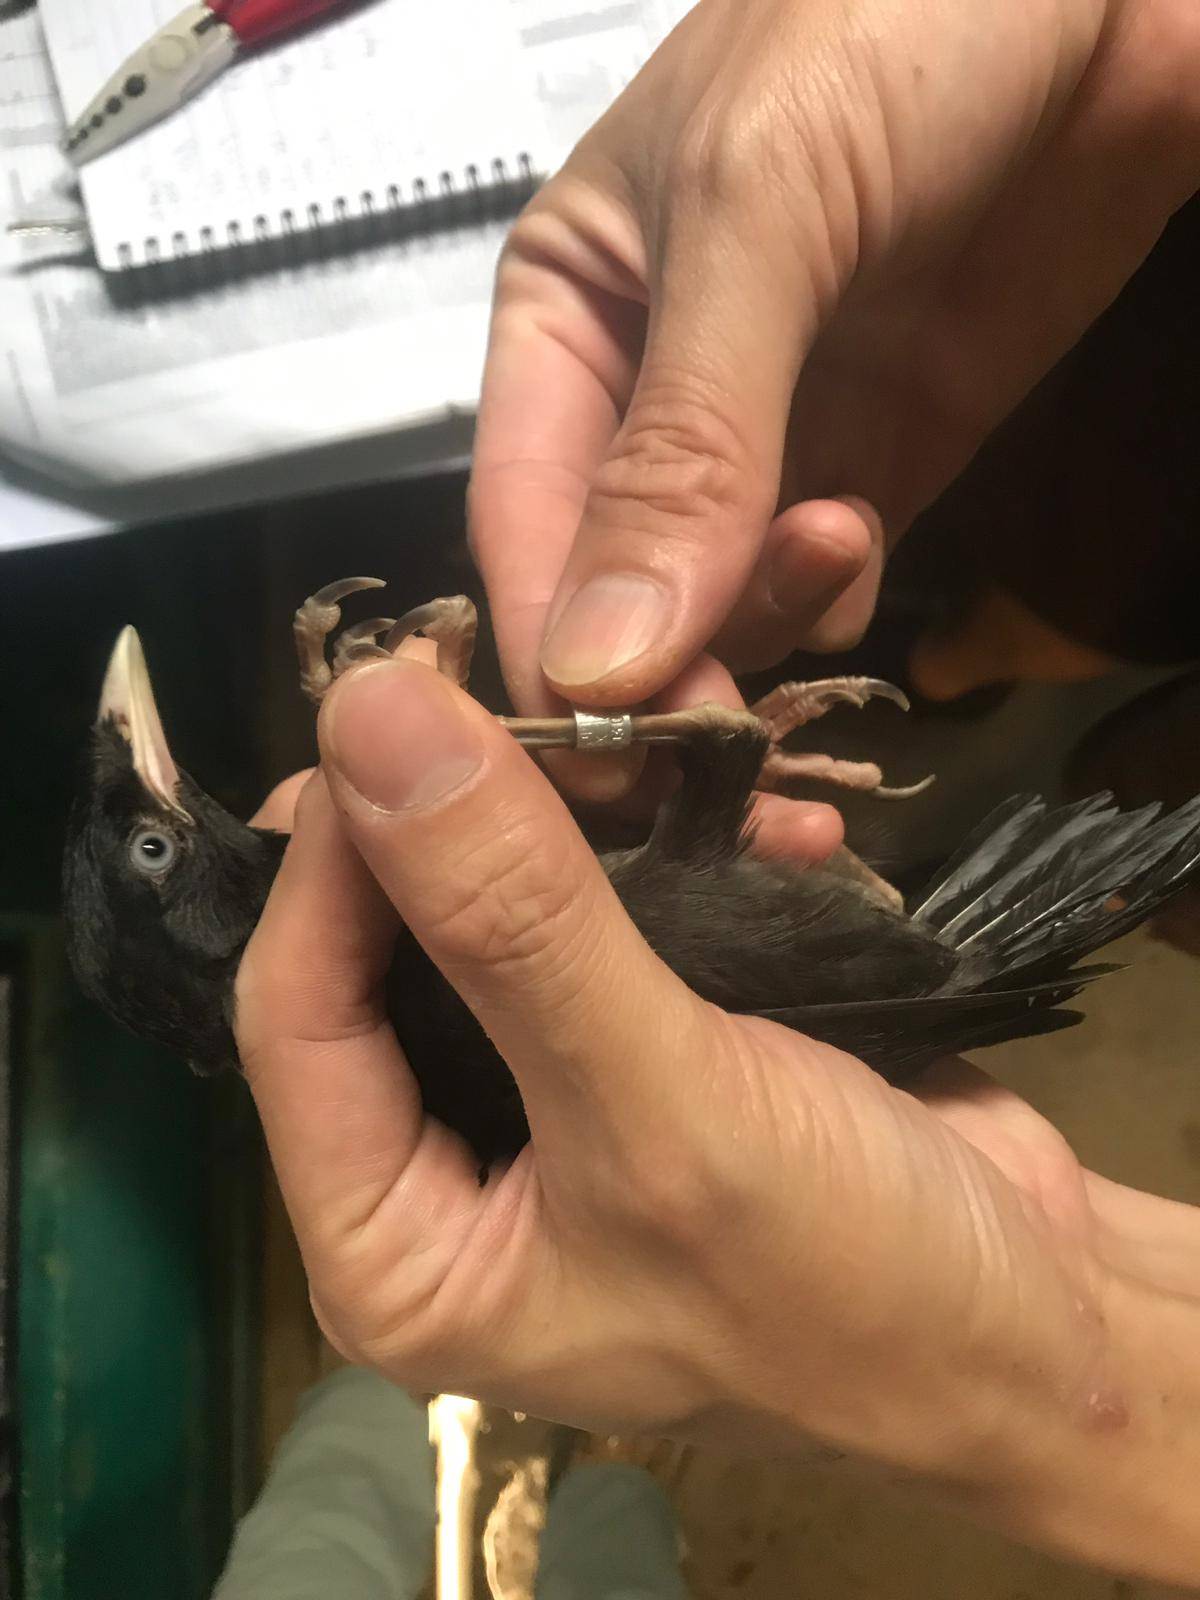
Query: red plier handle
(253, 20)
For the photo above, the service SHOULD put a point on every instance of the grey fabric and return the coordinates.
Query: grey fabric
(348, 1510)
(609, 1535)
(348, 1513)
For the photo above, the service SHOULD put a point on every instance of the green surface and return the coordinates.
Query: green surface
(123, 1327)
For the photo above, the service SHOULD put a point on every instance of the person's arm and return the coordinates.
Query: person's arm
(775, 301)
(720, 1230)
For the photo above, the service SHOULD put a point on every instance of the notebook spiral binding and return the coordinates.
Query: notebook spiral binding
(220, 254)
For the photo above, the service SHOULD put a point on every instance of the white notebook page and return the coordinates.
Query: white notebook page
(377, 98)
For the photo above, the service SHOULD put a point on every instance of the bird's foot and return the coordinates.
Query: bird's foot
(782, 770)
(791, 705)
(451, 623)
(315, 621)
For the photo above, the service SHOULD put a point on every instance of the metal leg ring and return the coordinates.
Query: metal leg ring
(599, 731)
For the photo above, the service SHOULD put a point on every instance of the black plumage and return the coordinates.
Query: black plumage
(163, 889)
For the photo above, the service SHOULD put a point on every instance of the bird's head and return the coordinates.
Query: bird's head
(162, 888)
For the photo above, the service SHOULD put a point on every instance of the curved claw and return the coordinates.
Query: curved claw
(907, 793)
(357, 643)
(313, 623)
(451, 623)
(840, 696)
(858, 691)
(881, 689)
(792, 705)
(367, 629)
(435, 614)
(333, 592)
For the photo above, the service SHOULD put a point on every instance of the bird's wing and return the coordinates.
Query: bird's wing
(898, 1037)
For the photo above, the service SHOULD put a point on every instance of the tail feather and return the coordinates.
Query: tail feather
(898, 1037)
(1142, 882)
(1032, 893)
(1052, 846)
(940, 1040)
(1038, 886)
(959, 879)
(1105, 850)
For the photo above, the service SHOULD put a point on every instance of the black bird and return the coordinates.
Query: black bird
(162, 889)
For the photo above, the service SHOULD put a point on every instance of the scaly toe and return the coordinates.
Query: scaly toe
(357, 643)
(884, 792)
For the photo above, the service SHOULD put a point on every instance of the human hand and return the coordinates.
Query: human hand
(776, 299)
(720, 1230)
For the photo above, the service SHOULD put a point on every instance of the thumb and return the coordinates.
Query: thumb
(486, 867)
(678, 509)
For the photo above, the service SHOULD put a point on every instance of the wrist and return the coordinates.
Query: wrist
(1109, 1477)
(1087, 1444)
(1127, 1497)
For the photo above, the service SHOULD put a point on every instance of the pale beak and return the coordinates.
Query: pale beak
(128, 700)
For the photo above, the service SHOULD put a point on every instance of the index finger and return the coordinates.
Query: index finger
(568, 325)
(562, 360)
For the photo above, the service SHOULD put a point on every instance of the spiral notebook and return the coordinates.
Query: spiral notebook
(390, 111)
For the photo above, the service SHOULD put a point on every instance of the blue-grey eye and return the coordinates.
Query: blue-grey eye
(152, 851)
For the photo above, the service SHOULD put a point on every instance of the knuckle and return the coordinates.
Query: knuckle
(757, 172)
(716, 157)
(519, 912)
(682, 459)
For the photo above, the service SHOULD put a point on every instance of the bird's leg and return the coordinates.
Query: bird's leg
(776, 715)
(721, 756)
(716, 744)
(720, 752)
(314, 622)
(451, 623)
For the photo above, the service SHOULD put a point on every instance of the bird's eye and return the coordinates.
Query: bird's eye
(151, 851)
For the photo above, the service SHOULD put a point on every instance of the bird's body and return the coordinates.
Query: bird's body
(990, 951)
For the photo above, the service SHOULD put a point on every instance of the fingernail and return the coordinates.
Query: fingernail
(396, 733)
(608, 622)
